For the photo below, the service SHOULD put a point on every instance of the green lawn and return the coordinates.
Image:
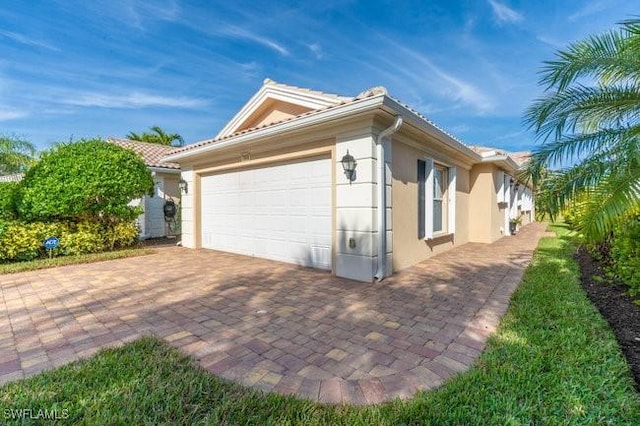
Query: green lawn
(552, 361)
(32, 265)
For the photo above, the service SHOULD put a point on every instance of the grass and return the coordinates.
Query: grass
(553, 360)
(33, 265)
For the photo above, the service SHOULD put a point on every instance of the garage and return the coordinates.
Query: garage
(280, 212)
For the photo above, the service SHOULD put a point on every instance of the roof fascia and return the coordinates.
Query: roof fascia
(428, 128)
(502, 160)
(342, 111)
(163, 170)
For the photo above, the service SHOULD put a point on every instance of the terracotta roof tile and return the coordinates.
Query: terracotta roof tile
(151, 153)
(337, 98)
(521, 157)
(252, 129)
(340, 101)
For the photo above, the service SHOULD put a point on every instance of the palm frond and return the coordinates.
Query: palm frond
(571, 147)
(608, 57)
(581, 107)
(608, 202)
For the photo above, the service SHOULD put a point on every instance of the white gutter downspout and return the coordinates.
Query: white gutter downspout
(382, 197)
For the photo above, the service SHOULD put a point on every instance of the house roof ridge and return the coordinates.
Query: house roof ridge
(307, 90)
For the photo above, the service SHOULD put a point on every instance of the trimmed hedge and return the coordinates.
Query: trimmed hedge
(8, 192)
(21, 241)
(625, 252)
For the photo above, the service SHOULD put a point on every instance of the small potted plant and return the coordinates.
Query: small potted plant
(514, 224)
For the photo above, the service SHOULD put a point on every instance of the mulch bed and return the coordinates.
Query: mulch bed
(616, 306)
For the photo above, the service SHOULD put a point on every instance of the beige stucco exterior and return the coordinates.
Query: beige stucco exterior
(357, 241)
(486, 215)
(408, 249)
(273, 111)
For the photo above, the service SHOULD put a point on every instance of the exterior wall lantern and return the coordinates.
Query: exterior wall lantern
(184, 186)
(349, 165)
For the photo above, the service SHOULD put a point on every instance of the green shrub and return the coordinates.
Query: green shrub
(85, 237)
(86, 180)
(625, 252)
(8, 192)
(124, 234)
(23, 241)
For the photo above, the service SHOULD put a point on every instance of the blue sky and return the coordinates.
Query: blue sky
(104, 68)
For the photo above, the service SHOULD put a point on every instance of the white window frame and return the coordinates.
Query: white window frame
(449, 200)
(500, 190)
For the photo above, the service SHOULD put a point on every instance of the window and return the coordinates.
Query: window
(436, 199)
(439, 190)
(421, 197)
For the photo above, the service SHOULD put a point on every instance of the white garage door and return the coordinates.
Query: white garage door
(281, 212)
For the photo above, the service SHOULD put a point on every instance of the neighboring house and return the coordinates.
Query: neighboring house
(14, 177)
(166, 176)
(271, 184)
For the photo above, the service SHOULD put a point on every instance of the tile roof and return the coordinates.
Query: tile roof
(341, 101)
(375, 91)
(284, 120)
(519, 158)
(14, 177)
(151, 153)
(335, 97)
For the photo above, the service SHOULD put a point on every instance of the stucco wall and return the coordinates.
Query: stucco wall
(486, 215)
(272, 112)
(408, 249)
(353, 203)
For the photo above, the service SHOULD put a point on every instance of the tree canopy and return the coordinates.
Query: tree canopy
(157, 135)
(88, 179)
(589, 123)
(16, 154)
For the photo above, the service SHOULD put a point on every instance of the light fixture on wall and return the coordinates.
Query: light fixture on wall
(184, 186)
(349, 165)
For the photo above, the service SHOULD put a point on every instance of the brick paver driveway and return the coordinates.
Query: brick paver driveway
(271, 325)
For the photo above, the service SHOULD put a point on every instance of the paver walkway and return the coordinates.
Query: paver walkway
(271, 325)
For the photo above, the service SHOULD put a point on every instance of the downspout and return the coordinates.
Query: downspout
(382, 196)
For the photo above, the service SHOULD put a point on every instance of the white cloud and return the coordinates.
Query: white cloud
(550, 41)
(316, 49)
(511, 135)
(590, 9)
(237, 32)
(11, 114)
(504, 13)
(27, 41)
(453, 87)
(132, 100)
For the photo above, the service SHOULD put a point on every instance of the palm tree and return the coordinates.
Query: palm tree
(16, 154)
(589, 122)
(157, 135)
